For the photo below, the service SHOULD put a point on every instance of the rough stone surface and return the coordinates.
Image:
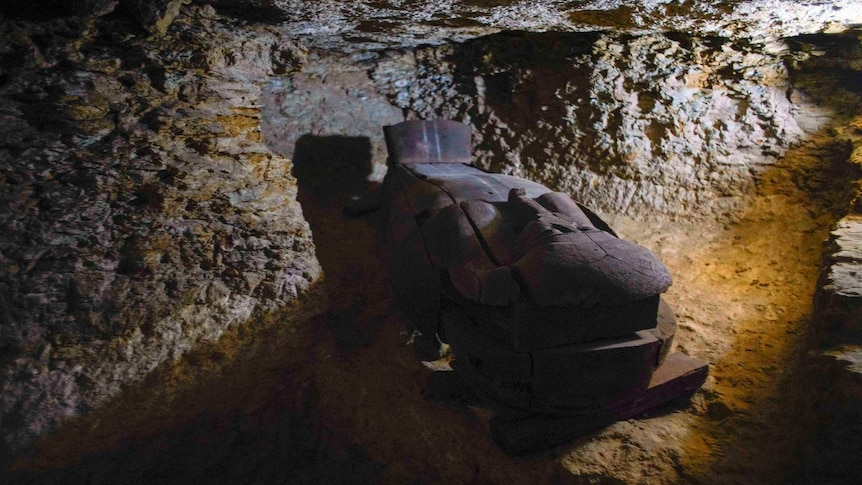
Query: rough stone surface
(142, 213)
(839, 297)
(155, 16)
(324, 103)
(831, 455)
(623, 124)
(361, 25)
(667, 124)
(51, 9)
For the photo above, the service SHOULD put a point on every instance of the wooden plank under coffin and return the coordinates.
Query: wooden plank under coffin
(679, 376)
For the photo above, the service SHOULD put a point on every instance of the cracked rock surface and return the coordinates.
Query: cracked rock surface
(156, 266)
(142, 212)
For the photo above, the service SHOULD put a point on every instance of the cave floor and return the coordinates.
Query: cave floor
(338, 398)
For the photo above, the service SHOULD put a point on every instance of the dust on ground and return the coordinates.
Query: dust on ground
(743, 296)
(338, 398)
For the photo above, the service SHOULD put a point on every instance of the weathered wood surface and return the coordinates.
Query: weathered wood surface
(543, 263)
(529, 326)
(466, 182)
(415, 282)
(547, 311)
(679, 376)
(518, 432)
(566, 379)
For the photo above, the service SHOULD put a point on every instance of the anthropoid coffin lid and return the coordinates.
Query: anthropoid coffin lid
(437, 141)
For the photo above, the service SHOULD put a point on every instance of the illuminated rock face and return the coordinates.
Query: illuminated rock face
(360, 25)
(657, 123)
(145, 181)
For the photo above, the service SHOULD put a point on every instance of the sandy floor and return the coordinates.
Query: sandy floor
(338, 398)
(742, 294)
(743, 291)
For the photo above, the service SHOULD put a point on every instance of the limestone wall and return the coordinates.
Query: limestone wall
(658, 124)
(651, 126)
(146, 197)
(142, 213)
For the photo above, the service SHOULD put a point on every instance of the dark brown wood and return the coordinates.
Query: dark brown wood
(417, 292)
(563, 380)
(422, 197)
(679, 376)
(529, 326)
(665, 329)
(561, 255)
(548, 312)
(466, 182)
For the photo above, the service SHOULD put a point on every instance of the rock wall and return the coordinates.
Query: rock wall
(653, 126)
(658, 125)
(142, 213)
(362, 25)
(329, 99)
(837, 320)
(834, 77)
(145, 182)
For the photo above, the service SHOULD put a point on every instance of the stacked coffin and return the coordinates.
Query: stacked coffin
(544, 307)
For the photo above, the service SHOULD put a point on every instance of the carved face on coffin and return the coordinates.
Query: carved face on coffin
(547, 250)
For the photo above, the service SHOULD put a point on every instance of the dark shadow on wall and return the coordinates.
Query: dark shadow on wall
(332, 174)
(244, 409)
(331, 166)
(45, 9)
(248, 408)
